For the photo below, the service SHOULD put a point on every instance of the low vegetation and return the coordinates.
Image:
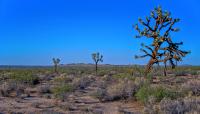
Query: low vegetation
(78, 88)
(123, 89)
(158, 92)
(62, 91)
(24, 77)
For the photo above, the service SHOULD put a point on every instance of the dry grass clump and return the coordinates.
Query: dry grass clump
(192, 86)
(150, 106)
(118, 86)
(82, 82)
(65, 85)
(63, 79)
(122, 89)
(181, 106)
(43, 89)
(168, 106)
(12, 87)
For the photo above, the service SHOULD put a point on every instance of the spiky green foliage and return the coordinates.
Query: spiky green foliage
(97, 57)
(158, 27)
(158, 92)
(56, 63)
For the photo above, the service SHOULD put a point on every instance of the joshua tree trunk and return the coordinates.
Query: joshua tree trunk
(96, 67)
(152, 61)
(165, 68)
(55, 68)
(149, 66)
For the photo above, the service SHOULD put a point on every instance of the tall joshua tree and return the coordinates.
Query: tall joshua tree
(97, 58)
(56, 63)
(158, 27)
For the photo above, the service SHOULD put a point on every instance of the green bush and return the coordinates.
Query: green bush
(24, 77)
(62, 90)
(158, 92)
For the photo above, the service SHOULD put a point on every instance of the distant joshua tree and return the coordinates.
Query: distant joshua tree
(158, 27)
(97, 58)
(56, 63)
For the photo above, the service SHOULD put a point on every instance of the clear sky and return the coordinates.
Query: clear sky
(32, 32)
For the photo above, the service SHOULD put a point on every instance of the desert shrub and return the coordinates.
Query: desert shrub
(102, 72)
(24, 77)
(198, 72)
(181, 106)
(5, 90)
(44, 89)
(192, 86)
(100, 93)
(114, 92)
(8, 87)
(138, 71)
(82, 82)
(151, 107)
(124, 76)
(143, 93)
(62, 91)
(181, 72)
(157, 71)
(121, 90)
(193, 72)
(158, 92)
(107, 78)
(139, 82)
(118, 88)
(180, 80)
(63, 79)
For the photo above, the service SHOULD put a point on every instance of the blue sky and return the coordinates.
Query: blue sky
(32, 32)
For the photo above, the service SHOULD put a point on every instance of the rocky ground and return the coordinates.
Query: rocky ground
(119, 98)
(78, 102)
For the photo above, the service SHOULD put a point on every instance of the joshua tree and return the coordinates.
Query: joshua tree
(56, 63)
(97, 58)
(158, 27)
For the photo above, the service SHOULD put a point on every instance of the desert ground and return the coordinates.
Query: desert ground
(77, 89)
